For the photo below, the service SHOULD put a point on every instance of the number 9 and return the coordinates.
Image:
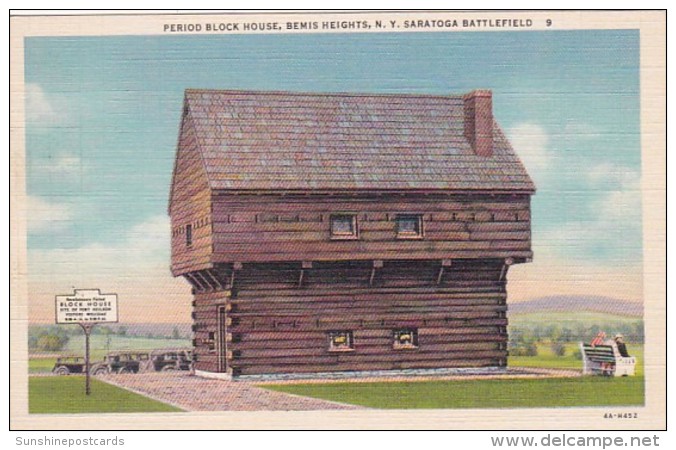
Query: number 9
(549, 22)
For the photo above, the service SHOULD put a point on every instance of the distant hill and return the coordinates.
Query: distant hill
(156, 330)
(574, 303)
(551, 304)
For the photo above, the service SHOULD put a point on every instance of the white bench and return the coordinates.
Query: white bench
(605, 360)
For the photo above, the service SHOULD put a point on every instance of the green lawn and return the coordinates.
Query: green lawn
(41, 365)
(66, 395)
(547, 359)
(514, 393)
(504, 393)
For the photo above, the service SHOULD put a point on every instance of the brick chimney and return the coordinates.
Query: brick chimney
(479, 121)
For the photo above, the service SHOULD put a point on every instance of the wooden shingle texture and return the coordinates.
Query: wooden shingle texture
(292, 141)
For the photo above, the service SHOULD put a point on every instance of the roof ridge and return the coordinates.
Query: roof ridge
(324, 94)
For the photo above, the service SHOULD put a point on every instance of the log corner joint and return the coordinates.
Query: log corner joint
(377, 264)
(445, 263)
(503, 273)
(236, 267)
(303, 266)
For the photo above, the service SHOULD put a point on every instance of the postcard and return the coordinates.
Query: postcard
(410, 220)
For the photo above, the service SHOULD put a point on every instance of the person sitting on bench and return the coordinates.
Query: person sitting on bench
(621, 346)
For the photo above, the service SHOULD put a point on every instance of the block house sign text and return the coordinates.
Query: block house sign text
(86, 306)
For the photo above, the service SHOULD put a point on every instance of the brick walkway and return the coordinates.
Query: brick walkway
(193, 393)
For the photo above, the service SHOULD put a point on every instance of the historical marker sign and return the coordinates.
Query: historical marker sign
(86, 306)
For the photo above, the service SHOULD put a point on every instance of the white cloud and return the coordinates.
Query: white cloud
(44, 109)
(596, 255)
(153, 235)
(63, 164)
(531, 142)
(614, 228)
(624, 205)
(144, 247)
(623, 177)
(598, 250)
(137, 269)
(622, 196)
(581, 130)
(44, 215)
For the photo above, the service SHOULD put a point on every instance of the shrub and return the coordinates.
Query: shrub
(51, 342)
(559, 349)
(523, 349)
(531, 349)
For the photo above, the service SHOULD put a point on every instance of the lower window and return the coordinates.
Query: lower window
(340, 341)
(405, 338)
(211, 341)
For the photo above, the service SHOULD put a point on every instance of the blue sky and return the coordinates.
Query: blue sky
(103, 116)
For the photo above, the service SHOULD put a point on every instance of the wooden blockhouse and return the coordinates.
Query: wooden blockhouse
(345, 232)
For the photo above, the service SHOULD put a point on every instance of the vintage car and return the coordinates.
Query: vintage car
(122, 362)
(65, 365)
(164, 360)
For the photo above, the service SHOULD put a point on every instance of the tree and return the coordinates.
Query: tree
(175, 334)
(567, 335)
(639, 332)
(532, 349)
(577, 354)
(559, 349)
(553, 332)
(51, 342)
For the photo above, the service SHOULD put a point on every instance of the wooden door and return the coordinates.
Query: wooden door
(222, 341)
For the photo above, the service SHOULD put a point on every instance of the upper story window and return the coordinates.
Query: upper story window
(344, 226)
(188, 235)
(409, 226)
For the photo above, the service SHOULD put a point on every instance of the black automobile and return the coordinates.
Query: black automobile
(65, 365)
(122, 362)
(171, 359)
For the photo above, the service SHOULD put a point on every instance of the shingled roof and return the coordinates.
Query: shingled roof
(309, 141)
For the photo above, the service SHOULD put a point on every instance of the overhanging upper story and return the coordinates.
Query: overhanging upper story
(285, 177)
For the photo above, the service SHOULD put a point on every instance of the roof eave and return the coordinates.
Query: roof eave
(372, 192)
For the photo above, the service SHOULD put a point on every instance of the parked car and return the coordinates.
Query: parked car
(171, 359)
(65, 365)
(122, 362)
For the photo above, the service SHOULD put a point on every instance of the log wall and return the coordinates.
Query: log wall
(268, 228)
(273, 326)
(190, 204)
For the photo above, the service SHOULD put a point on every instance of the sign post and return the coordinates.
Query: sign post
(86, 307)
(87, 327)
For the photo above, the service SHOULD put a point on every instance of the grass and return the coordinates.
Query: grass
(547, 359)
(66, 395)
(514, 393)
(41, 365)
(504, 393)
